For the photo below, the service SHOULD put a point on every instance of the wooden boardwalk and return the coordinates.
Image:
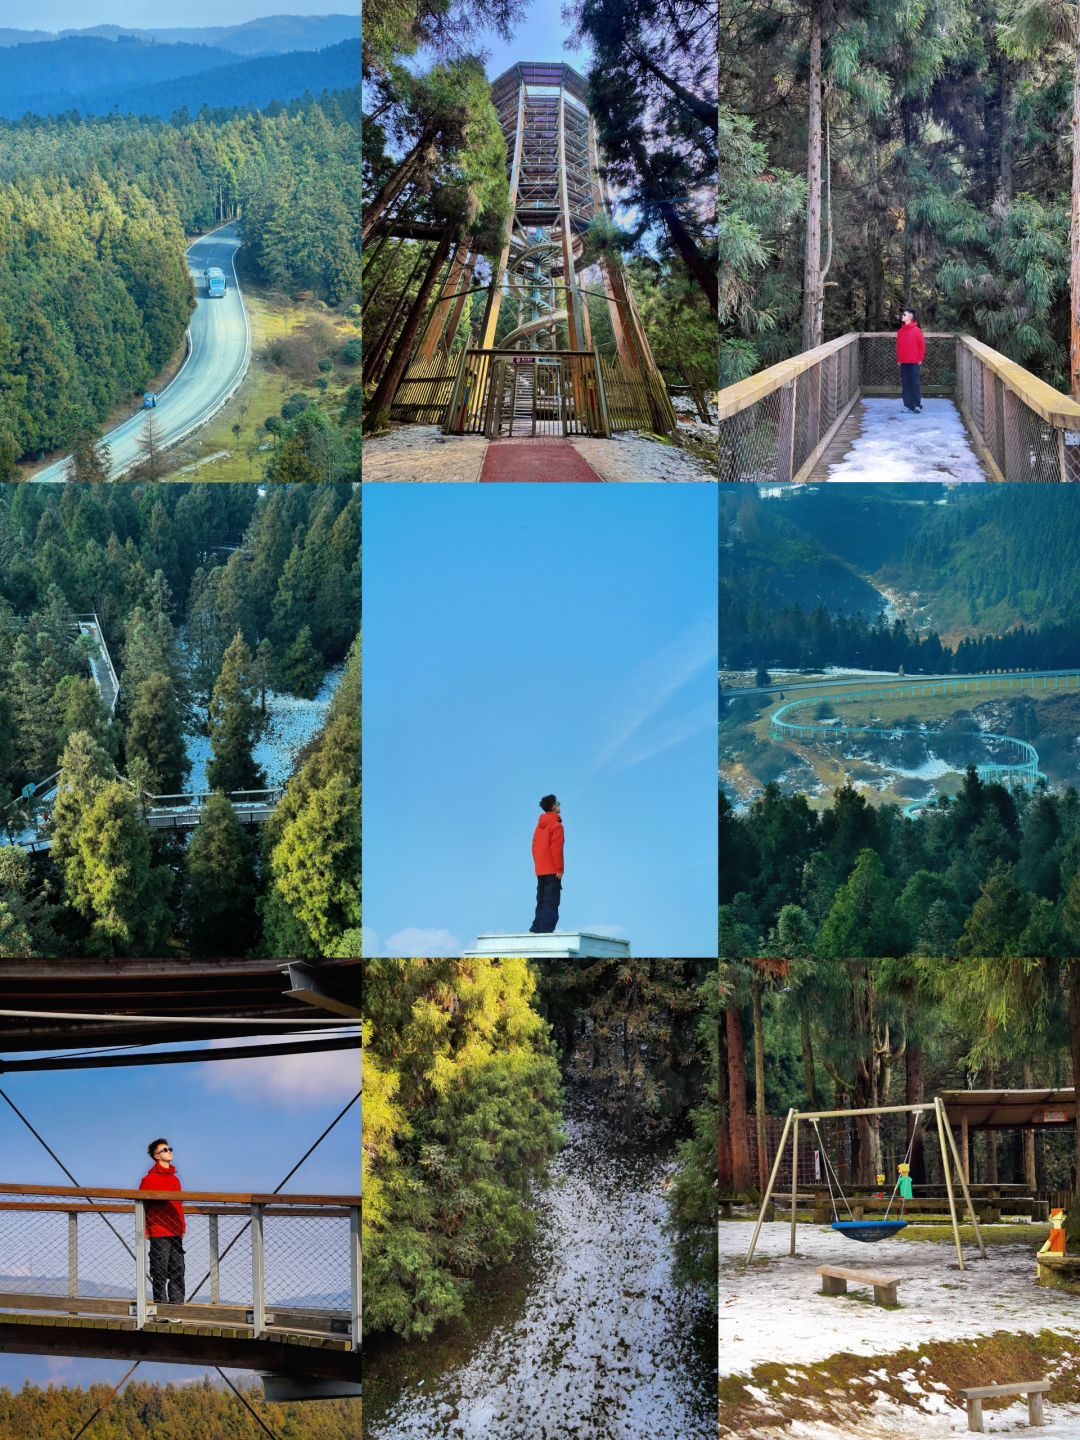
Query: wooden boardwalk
(881, 441)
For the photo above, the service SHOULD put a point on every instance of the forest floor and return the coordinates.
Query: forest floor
(424, 453)
(842, 1366)
(266, 386)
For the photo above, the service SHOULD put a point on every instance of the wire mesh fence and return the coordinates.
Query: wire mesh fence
(290, 1264)
(775, 425)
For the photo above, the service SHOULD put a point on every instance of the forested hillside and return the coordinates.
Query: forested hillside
(237, 84)
(212, 601)
(144, 1411)
(875, 157)
(94, 287)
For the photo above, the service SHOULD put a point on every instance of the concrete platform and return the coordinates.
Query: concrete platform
(559, 945)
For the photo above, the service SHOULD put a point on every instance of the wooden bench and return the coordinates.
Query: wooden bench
(834, 1281)
(976, 1394)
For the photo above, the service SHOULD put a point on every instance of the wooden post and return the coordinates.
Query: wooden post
(769, 1188)
(498, 274)
(794, 1181)
(948, 1177)
(786, 437)
(964, 1187)
(965, 1149)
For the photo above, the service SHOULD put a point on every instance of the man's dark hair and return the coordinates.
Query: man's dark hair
(547, 804)
(154, 1144)
(907, 310)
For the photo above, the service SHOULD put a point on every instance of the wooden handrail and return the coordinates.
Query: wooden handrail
(82, 1191)
(1056, 409)
(755, 388)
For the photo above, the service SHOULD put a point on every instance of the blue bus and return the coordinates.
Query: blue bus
(215, 282)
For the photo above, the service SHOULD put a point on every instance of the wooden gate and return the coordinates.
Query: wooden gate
(424, 393)
(563, 394)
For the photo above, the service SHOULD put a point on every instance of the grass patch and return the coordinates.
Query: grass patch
(286, 338)
(1033, 1234)
(843, 1389)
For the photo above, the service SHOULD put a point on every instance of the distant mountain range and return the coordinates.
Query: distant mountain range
(97, 76)
(270, 35)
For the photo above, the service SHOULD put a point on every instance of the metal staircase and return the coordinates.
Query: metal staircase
(524, 400)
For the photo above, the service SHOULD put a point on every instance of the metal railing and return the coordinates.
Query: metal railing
(265, 1266)
(776, 425)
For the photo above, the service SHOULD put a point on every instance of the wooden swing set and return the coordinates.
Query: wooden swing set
(868, 1230)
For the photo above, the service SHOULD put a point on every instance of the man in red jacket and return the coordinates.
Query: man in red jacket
(548, 860)
(165, 1226)
(910, 354)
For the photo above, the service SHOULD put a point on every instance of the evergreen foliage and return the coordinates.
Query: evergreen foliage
(221, 883)
(235, 723)
(461, 1111)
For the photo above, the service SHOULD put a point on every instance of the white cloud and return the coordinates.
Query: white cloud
(293, 1081)
(414, 943)
(665, 736)
(654, 681)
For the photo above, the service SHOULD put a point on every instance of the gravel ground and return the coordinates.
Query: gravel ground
(421, 453)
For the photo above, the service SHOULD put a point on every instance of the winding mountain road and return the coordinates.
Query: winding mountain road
(219, 351)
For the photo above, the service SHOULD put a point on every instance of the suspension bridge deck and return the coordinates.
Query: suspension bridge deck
(882, 441)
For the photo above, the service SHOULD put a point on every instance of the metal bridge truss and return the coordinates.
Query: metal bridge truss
(1022, 772)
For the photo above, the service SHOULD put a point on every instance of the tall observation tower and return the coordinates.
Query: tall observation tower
(539, 368)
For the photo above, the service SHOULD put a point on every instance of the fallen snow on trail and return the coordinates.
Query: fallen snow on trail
(895, 445)
(422, 452)
(630, 456)
(883, 1419)
(293, 722)
(775, 1313)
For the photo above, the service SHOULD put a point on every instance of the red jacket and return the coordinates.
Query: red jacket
(910, 345)
(163, 1217)
(548, 844)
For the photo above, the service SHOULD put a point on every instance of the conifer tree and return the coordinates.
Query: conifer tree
(221, 883)
(301, 669)
(235, 723)
(155, 733)
(316, 863)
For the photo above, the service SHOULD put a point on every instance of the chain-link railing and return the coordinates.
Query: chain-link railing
(1026, 429)
(265, 1266)
(776, 425)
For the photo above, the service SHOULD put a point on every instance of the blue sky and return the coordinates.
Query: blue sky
(522, 639)
(236, 1125)
(77, 14)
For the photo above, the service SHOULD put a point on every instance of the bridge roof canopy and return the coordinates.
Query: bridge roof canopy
(187, 988)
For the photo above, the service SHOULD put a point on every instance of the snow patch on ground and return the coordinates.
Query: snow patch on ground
(630, 456)
(894, 444)
(889, 1421)
(423, 452)
(775, 1314)
(293, 723)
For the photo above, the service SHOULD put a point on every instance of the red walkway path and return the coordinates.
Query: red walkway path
(535, 460)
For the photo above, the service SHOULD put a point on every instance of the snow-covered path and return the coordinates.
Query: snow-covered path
(895, 445)
(775, 1312)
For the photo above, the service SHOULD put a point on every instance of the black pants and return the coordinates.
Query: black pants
(548, 891)
(167, 1269)
(911, 384)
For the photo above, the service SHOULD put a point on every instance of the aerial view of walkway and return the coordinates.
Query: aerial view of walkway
(219, 351)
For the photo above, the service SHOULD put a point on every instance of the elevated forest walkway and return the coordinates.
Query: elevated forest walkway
(834, 413)
(273, 1281)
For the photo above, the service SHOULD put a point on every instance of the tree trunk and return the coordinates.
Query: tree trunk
(1006, 130)
(1030, 1178)
(759, 1088)
(991, 1135)
(373, 359)
(742, 1179)
(914, 1093)
(1073, 982)
(812, 256)
(725, 1165)
(809, 1076)
(1074, 234)
(384, 274)
(394, 185)
(703, 110)
(379, 410)
(696, 263)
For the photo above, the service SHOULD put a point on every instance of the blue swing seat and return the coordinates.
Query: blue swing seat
(868, 1231)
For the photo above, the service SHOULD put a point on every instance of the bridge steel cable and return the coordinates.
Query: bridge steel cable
(53, 1155)
(1022, 770)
